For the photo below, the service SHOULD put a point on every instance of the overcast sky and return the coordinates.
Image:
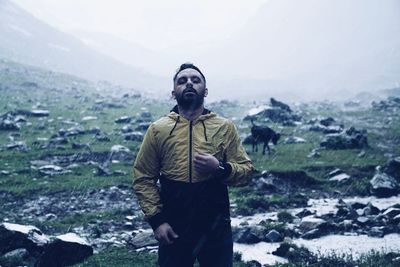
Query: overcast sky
(154, 24)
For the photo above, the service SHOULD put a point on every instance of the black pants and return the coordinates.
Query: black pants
(212, 250)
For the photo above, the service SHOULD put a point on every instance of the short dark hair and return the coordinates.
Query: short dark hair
(188, 66)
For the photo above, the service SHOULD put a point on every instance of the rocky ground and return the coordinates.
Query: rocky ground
(67, 149)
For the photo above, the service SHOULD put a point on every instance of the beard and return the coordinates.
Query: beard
(190, 101)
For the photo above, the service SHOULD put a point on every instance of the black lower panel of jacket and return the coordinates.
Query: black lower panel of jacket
(194, 209)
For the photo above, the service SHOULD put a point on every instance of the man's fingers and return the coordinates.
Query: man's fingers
(200, 157)
(172, 233)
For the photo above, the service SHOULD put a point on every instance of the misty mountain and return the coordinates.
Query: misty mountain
(291, 49)
(317, 47)
(118, 48)
(25, 39)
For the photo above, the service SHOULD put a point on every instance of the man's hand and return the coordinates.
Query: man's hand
(205, 163)
(164, 234)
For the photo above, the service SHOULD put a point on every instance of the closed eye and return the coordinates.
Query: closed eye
(196, 79)
(182, 80)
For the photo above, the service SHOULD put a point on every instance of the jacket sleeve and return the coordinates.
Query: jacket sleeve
(146, 171)
(238, 160)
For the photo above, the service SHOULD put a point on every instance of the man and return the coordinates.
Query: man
(195, 155)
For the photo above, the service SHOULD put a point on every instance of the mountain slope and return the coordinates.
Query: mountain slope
(25, 39)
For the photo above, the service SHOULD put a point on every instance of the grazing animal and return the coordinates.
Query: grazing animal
(263, 134)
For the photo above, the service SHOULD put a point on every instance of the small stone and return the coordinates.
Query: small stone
(273, 236)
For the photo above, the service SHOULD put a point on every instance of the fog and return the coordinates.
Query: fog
(309, 49)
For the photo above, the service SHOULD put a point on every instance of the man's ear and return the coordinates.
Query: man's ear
(173, 94)
(205, 92)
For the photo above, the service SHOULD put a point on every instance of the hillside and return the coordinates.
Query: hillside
(67, 148)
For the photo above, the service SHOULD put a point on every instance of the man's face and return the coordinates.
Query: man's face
(189, 89)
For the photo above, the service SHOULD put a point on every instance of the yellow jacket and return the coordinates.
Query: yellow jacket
(168, 150)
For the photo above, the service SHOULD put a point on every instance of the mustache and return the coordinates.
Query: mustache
(189, 89)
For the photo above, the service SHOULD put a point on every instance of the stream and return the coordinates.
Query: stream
(339, 244)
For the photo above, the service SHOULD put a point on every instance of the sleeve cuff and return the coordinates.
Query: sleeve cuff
(156, 220)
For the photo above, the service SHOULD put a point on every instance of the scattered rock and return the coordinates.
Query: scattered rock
(126, 129)
(102, 137)
(281, 105)
(7, 125)
(37, 113)
(294, 140)
(340, 177)
(392, 168)
(304, 213)
(376, 232)
(19, 145)
(15, 236)
(383, 185)
(391, 212)
(327, 122)
(349, 139)
(309, 223)
(273, 236)
(143, 126)
(52, 170)
(89, 118)
(250, 235)
(134, 136)
(312, 234)
(123, 119)
(314, 153)
(20, 254)
(144, 239)
(119, 148)
(65, 250)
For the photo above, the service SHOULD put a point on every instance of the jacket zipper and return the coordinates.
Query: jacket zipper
(190, 150)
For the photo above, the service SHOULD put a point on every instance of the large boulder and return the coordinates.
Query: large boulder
(309, 223)
(144, 239)
(349, 139)
(65, 250)
(279, 104)
(383, 185)
(273, 236)
(248, 235)
(393, 168)
(15, 236)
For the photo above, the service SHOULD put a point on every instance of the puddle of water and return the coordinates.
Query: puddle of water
(320, 207)
(356, 245)
(328, 205)
(255, 219)
(339, 244)
(260, 252)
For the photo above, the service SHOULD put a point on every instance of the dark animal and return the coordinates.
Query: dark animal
(263, 134)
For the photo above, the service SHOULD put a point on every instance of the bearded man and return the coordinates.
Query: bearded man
(194, 155)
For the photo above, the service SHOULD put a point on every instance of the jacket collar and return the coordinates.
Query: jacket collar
(176, 110)
(174, 114)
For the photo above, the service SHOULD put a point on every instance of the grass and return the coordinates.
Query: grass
(249, 201)
(124, 258)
